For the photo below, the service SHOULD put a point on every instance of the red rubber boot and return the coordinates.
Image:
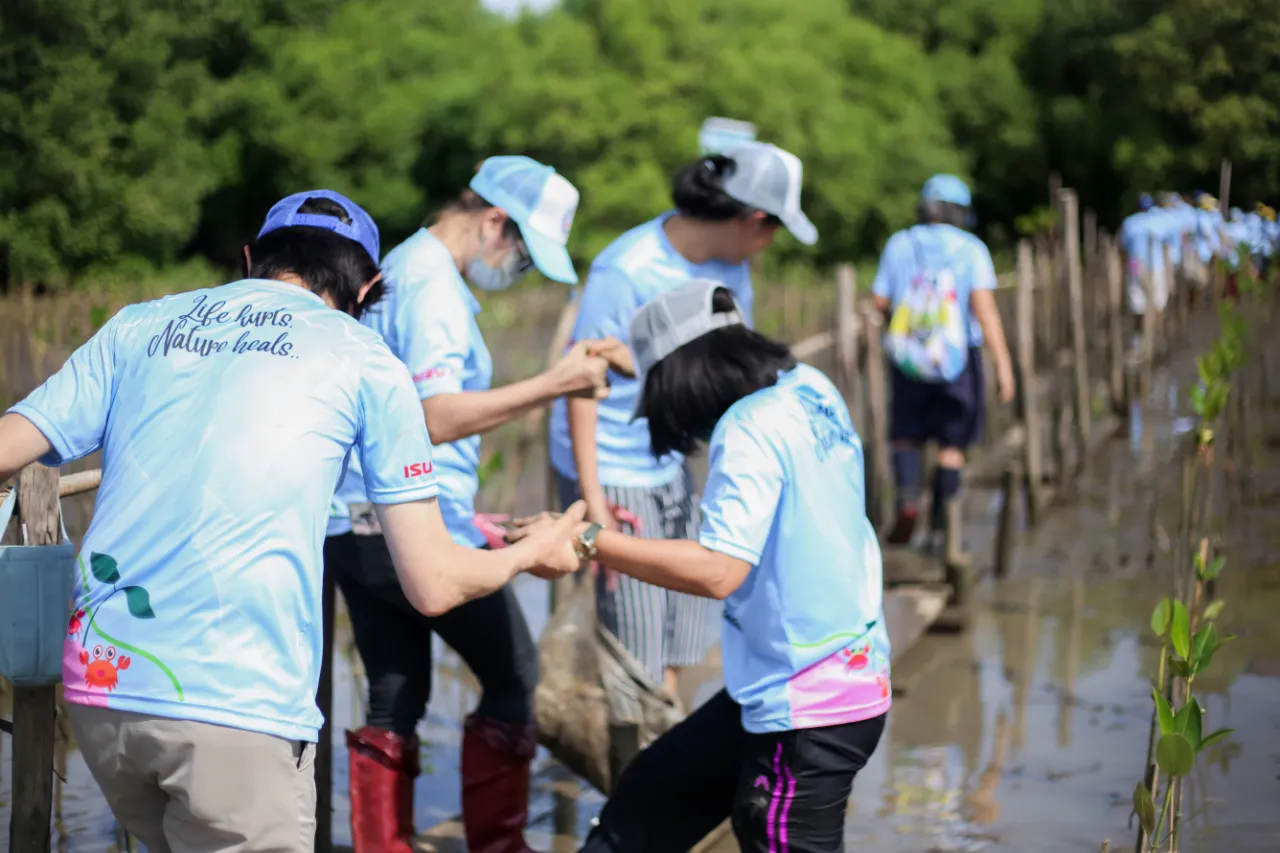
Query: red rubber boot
(383, 767)
(495, 784)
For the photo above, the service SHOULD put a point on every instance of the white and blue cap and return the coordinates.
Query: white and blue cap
(540, 201)
(767, 178)
(361, 228)
(947, 188)
(670, 321)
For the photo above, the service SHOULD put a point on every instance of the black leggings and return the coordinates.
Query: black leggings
(786, 792)
(394, 640)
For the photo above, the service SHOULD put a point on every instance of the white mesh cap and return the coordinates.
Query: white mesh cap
(672, 320)
(767, 178)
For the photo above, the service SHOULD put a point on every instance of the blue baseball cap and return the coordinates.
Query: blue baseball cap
(1145, 202)
(947, 188)
(540, 201)
(284, 214)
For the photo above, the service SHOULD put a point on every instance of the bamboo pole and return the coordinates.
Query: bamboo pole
(1075, 295)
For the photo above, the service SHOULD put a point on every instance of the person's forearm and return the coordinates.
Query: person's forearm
(583, 416)
(436, 573)
(21, 444)
(678, 564)
(992, 329)
(455, 416)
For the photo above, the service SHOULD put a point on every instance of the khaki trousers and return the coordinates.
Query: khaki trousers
(186, 787)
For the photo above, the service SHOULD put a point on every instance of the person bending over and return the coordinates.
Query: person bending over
(786, 543)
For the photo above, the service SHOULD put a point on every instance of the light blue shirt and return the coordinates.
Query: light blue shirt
(634, 269)
(1208, 234)
(804, 641)
(938, 247)
(225, 417)
(1141, 235)
(428, 319)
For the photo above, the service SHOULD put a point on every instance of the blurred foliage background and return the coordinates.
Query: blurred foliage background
(145, 138)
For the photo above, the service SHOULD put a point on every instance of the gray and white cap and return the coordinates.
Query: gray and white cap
(767, 178)
(672, 320)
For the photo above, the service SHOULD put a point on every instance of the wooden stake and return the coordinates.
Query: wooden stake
(1028, 389)
(1115, 328)
(34, 708)
(1075, 293)
(1004, 531)
(878, 404)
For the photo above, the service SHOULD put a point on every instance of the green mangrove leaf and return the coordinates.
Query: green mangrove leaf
(1145, 807)
(1164, 712)
(1213, 738)
(1180, 630)
(1161, 616)
(1214, 609)
(1174, 754)
(1188, 721)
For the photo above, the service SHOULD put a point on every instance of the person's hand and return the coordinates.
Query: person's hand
(581, 374)
(550, 539)
(616, 353)
(1006, 385)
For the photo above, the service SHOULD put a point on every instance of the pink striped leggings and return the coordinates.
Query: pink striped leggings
(786, 792)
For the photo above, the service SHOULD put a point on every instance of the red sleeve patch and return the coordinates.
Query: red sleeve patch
(432, 373)
(418, 469)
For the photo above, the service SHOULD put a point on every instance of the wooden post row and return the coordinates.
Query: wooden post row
(34, 708)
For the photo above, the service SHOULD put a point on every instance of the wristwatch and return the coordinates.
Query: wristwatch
(585, 547)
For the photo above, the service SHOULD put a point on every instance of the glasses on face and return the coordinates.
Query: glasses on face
(524, 260)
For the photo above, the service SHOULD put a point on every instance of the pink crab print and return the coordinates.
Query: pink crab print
(855, 658)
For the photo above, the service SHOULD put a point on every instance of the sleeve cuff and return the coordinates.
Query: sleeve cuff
(434, 387)
(729, 549)
(62, 452)
(422, 492)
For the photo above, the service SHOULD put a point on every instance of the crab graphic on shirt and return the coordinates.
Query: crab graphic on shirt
(95, 671)
(102, 672)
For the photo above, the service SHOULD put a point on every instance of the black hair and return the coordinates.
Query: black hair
(697, 191)
(469, 201)
(331, 265)
(686, 393)
(935, 212)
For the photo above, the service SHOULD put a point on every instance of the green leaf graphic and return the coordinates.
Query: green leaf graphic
(104, 568)
(139, 602)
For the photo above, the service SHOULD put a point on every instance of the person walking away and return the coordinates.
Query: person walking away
(934, 286)
(225, 416)
(728, 209)
(515, 215)
(1207, 243)
(785, 542)
(1141, 234)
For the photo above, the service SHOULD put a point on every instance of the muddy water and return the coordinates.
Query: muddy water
(1026, 733)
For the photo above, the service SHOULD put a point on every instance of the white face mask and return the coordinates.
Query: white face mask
(487, 277)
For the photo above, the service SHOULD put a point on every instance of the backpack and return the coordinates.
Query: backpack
(927, 339)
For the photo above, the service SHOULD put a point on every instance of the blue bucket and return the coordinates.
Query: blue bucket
(36, 587)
